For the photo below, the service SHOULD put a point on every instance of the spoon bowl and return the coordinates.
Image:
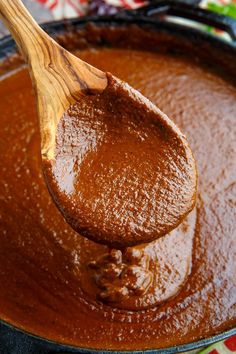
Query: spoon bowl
(119, 169)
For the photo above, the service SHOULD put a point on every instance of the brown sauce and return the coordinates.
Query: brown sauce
(49, 274)
(122, 173)
(142, 276)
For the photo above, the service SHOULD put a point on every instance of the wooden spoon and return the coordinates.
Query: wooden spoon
(58, 76)
(119, 170)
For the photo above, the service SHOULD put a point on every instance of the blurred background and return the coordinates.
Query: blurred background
(47, 10)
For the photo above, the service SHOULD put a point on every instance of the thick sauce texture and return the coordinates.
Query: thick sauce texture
(123, 173)
(46, 269)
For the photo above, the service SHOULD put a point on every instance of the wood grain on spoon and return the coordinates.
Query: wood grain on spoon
(118, 168)
(59, 77)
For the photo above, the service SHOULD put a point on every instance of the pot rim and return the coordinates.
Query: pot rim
(182, 348)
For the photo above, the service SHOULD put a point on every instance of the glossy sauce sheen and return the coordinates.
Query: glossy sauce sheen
(43, 262)
(122, 174)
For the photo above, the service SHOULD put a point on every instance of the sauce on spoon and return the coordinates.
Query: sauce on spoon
(122, 173)
(119, 170)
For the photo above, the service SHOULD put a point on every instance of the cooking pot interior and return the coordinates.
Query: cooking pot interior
(213, 55)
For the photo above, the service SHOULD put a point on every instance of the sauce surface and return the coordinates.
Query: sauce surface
(123, 173)
(42, 258)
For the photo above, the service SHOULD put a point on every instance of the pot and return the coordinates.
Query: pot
(161, 17)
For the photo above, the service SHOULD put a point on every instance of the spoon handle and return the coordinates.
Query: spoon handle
(49, 62)
(58, 77)
(30, 38)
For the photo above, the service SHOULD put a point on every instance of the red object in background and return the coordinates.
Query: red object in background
(230, 343)
(214, 351)
(52, 5)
